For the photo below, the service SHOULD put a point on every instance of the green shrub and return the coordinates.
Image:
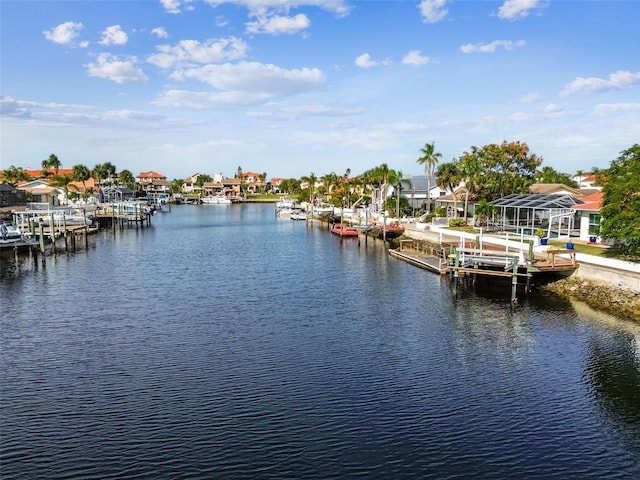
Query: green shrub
(457, 222)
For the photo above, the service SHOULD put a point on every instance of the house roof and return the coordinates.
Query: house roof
(151, 174)
(554, 188)
(591, 202)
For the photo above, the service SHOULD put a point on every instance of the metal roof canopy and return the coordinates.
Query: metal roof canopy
(523, 209)
(536, 200)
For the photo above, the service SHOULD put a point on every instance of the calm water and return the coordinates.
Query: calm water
(225, 343)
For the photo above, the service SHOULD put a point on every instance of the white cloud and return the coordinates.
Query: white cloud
(491, 47)
(113, 35)
(552, 108)
(365, 61)
(266, 79)
(276, 24)
(529, 98)
(65, 34)
(339, 7)
(415, 57)
(191, 52)
(245, 83)
(433, 11)
(516, 9)
(171, 6)
(160, 32)
(617, 80)
(607, 108)
(113, 68)
(291, 113)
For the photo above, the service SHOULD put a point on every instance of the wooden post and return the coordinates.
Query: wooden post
(64, 230)
(52, 231)
(514, 281)
(41, 236)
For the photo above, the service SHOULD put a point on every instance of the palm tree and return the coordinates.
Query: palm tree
(63, 182)
(81, 174)
(15, 175)
(470, 169)
(52, 162)
(263, 182)
(395, 178)
(128, 180)
(448, 177)
(311, 180)
(429, 159)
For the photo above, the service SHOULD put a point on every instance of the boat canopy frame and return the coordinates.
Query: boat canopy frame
(529, 212)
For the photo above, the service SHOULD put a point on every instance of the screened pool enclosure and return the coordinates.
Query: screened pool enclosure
(525, 214)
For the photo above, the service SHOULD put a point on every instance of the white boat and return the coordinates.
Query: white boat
(298, 214)
(285, 202)
(62, 216)
(12, 237)
(284, 212)
(216, 200)
(322, 212)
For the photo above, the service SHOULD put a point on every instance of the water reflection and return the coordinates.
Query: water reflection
(612, 372)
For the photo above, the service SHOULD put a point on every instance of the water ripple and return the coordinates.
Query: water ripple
(257, 348)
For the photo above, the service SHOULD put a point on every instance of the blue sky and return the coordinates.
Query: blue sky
(293, 87)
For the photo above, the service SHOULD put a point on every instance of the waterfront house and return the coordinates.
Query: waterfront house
(415, 190)
(149, 177)
(189, 184)
(589, 216)
(252, 182)
(42, 192)
(275, 184)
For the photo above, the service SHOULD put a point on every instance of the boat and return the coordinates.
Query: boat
(285, 202)
(298, 214)
(12, 237)
(216, 200)
(344, 230)
(61, 216)
(389, 231)
(323, 211)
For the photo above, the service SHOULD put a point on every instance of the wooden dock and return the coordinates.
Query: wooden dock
(487, 262)
(419, 258)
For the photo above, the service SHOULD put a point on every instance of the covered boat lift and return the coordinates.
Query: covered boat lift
(525, 213)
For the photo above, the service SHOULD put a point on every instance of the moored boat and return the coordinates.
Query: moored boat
(12, 237)
(216, 200)
(389, 231)
(298, 214)
(344, 230)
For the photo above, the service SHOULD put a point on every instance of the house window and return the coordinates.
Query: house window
(594, 224)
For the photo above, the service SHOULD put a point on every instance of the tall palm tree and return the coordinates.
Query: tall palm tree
(448, 177)
(429, 159)
(395, 178)
(311, 181)
(471, 170)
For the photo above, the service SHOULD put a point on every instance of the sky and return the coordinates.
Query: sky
(294, 87)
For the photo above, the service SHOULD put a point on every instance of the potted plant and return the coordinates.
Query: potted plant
(540, 233)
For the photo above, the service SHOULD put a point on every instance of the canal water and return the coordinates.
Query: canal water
(223, 342)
